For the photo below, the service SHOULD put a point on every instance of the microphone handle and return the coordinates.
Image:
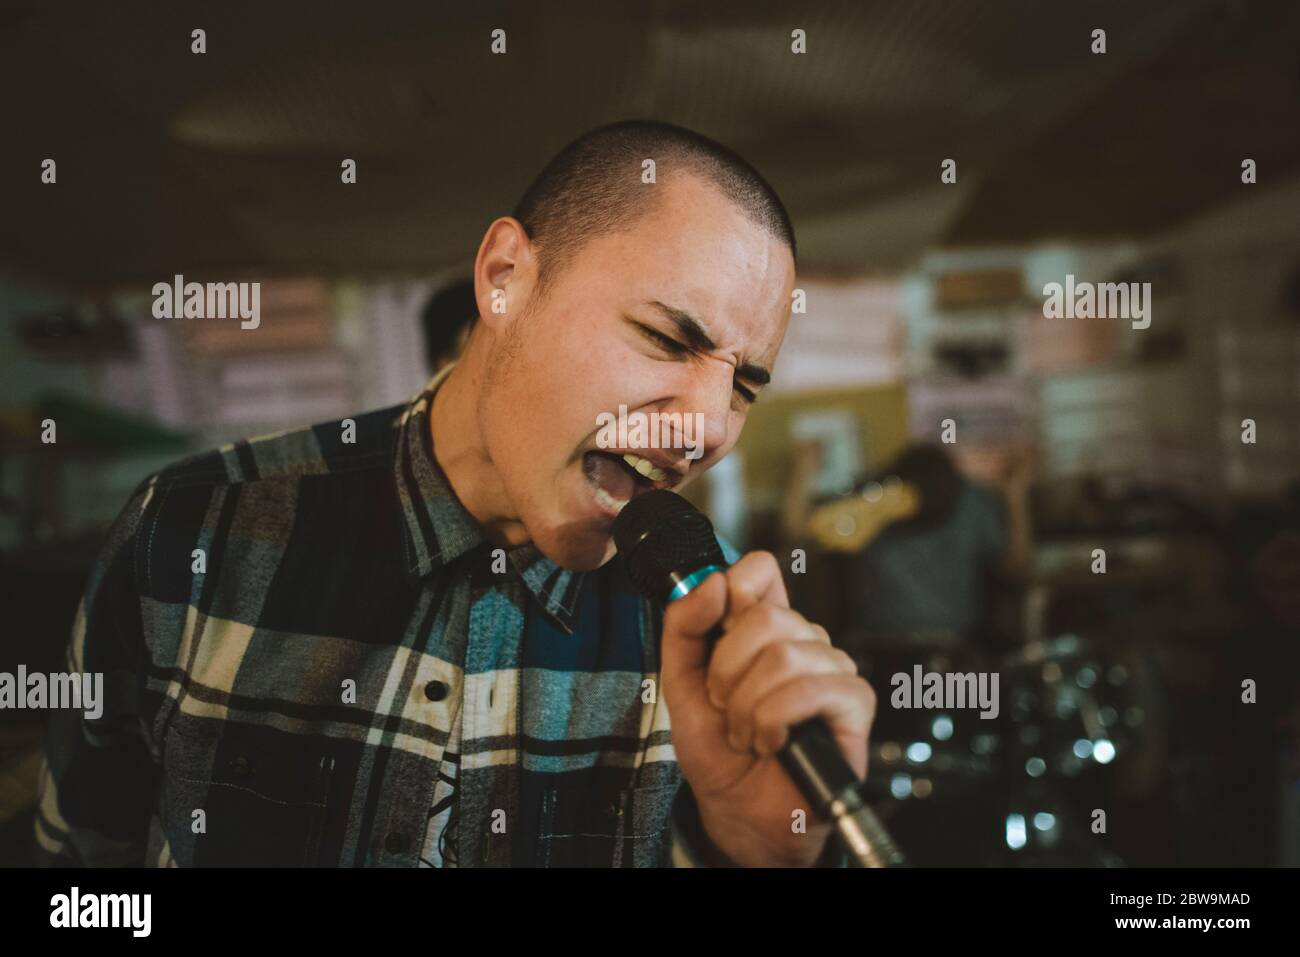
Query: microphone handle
(813, 760)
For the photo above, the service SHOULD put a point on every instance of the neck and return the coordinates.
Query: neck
(461, 453)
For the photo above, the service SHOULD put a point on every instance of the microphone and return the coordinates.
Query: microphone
(669, 548)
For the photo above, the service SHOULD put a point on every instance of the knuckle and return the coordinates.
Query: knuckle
(767, 616)
(784, 656)
(868, 692)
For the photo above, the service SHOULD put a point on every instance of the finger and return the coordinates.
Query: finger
(762, 624)
(687, 622)
(778, 663)
(756, 577)
(846, 702)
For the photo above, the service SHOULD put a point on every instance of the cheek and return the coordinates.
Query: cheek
(548, 397)
(588, 370)
(592, 357)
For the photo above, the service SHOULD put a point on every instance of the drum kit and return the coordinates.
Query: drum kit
(1037, 772)
(1020, 783)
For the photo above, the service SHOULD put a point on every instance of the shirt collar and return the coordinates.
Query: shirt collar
(436, 528)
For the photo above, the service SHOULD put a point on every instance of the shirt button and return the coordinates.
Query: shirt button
(436, 690)
(614, 809)
(240, 767)
(396, 842)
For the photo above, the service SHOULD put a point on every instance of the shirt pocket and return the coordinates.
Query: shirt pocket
(588, 827)
(264, 794)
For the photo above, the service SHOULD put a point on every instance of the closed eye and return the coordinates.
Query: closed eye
(678, 349)
(667, 343)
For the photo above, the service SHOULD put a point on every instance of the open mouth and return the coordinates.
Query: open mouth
(616, 478)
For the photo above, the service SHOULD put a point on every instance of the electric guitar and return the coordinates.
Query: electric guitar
(850, 523)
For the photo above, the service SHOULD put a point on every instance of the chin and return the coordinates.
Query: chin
(576, 549)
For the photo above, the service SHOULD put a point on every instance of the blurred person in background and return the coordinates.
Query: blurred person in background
(446, 322)
(920, 581)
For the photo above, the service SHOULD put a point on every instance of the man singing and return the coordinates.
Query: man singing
(400, 640)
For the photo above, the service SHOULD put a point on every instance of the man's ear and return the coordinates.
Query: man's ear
(505, 272)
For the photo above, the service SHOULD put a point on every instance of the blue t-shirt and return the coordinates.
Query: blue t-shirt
(910, 581)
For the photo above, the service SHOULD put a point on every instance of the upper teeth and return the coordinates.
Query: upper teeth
(645, 467)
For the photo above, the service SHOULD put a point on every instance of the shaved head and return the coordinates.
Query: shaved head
(593, 187)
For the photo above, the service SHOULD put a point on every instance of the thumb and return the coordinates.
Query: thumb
(687, 622)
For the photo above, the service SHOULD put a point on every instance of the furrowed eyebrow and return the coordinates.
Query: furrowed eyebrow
(697, 338)
(689, 327)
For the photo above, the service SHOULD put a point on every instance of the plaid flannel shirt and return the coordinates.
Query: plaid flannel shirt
(291, 630)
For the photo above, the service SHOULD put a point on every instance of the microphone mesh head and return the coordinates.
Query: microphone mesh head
(658, 533)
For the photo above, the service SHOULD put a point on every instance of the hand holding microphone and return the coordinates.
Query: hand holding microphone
(754, 691)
